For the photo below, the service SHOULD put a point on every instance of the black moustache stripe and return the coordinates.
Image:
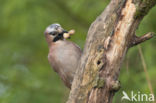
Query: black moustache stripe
(58, 37)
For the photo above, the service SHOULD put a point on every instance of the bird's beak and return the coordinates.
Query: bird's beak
(64, 31)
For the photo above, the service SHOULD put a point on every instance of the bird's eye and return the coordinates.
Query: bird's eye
(52, 33)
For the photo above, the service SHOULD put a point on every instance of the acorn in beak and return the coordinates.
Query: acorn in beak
(67, 35)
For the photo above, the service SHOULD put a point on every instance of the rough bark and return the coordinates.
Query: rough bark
(108, 39)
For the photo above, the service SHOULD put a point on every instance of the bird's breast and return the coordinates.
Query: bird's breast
(64, 59)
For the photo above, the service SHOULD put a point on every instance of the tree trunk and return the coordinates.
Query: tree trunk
(109, 38)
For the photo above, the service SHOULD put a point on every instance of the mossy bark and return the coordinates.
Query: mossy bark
(108, 40)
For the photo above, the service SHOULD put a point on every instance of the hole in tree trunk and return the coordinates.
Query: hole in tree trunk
(98, 62)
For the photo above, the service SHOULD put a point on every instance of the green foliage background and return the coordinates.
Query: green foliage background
(25, 74)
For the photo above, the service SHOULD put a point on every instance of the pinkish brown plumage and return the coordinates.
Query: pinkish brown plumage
(63, 55)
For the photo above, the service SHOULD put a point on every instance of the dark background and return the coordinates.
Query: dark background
(25, 74)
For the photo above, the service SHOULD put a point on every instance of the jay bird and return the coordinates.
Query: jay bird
(63, 55)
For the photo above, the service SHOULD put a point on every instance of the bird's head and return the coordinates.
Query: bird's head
(54, 33)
